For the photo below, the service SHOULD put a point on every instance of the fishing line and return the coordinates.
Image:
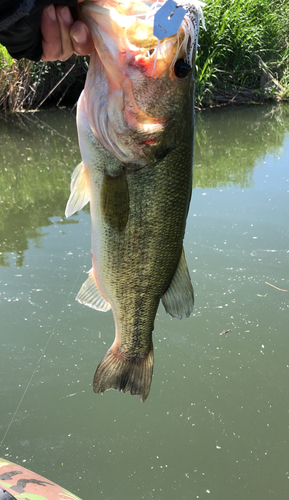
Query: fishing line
(38, 362)
(55, 86)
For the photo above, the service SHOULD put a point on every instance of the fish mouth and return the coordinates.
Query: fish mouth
(126, 53)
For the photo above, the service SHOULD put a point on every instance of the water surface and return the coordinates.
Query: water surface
(215, 424)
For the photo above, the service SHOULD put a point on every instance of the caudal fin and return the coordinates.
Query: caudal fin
(125, 373)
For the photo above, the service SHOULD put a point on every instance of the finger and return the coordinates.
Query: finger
(65, 21)
(51, 36)
(55, 27)
(81, 39)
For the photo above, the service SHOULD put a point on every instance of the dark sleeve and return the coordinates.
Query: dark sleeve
(20, 26)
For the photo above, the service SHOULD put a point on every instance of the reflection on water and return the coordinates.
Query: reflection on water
(216, 422)
(38, 154)
(229, 144)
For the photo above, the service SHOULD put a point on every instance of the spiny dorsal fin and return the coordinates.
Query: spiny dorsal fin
(90, 296)
(178, 300)
(79, 188)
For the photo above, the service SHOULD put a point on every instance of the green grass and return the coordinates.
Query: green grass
(239, 33)
(7, 74)
(14, 81)
(6, 61)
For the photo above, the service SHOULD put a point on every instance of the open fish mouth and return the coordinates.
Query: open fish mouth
(133, 23)
(128, 59)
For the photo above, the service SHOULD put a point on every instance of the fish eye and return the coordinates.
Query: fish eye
(182, 69)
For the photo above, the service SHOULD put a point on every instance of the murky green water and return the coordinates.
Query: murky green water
(215, 424)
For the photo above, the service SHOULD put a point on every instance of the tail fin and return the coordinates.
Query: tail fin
(131, 373)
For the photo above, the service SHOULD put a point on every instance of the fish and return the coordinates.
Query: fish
(135, 122)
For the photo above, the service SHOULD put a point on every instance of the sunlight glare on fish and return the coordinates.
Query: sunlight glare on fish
(124, 21)
(151, 127)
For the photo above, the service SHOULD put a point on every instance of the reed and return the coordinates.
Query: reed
(27, 85)
(244, 52)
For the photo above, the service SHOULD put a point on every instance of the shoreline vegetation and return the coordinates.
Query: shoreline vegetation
(243, 57)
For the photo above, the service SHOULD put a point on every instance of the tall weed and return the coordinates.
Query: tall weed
(239, 33)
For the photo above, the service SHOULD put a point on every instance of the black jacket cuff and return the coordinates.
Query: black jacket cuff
(23, 38)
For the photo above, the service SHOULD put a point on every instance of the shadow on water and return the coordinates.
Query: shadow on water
(40, 151)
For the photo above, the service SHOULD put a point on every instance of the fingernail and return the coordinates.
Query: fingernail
(66, 15)
(51, 12)
(80, 36)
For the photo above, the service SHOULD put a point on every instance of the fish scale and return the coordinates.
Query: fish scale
(133, 269)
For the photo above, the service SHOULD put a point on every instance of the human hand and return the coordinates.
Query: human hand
(61, 36)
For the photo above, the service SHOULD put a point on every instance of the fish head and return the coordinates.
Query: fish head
(138, 96)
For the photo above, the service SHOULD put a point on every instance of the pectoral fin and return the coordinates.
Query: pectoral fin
(90, 296)
(79, 188)
(178, 300)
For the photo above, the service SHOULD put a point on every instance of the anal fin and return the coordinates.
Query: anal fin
(90, 296)
(79, 188)
(178, 300)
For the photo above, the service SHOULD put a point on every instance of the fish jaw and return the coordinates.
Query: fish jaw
(136, 99)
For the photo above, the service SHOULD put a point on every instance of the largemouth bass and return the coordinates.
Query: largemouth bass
(135, 121)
